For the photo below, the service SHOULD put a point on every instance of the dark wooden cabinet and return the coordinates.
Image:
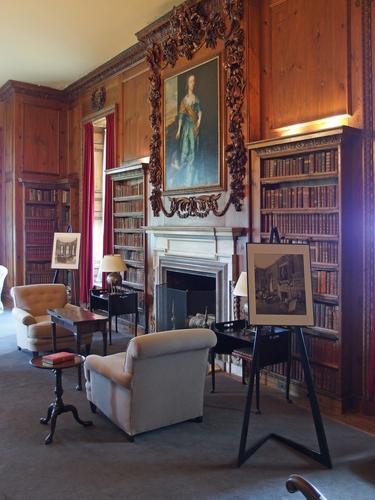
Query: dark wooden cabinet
(309, 187)
(115, 304)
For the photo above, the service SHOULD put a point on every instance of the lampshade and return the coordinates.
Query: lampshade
(112, 264)
(241, 286)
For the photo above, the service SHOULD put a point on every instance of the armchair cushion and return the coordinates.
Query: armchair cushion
(36, 299)
(110, 367)
(23, 316)
(43, 329)
(158, 344)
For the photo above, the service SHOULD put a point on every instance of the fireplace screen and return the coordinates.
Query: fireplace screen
(178, 306)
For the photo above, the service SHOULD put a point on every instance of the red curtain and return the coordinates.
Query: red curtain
(110, 162)
(86, 268)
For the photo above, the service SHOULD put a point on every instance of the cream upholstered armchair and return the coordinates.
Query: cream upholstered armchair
(3, 275)
(34, 330)
(157, 382)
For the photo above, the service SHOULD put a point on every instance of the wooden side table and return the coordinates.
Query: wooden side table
(58, 406)
(78, 321)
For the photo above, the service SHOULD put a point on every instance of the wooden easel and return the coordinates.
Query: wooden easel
(72, 274)
(322, 456)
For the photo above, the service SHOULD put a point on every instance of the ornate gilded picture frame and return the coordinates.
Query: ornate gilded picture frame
(192, 28)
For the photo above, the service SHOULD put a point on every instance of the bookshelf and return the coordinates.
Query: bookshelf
(309, 187)
(129, 220)
(47, 209)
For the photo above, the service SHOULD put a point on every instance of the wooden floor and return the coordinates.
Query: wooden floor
(357, 420)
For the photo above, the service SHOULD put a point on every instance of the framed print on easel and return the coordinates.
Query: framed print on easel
(279, 284)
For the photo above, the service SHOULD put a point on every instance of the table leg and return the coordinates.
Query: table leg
(79, 368)
(212, 355)
(104, 333)
(54, 342)
(58, 407)
(110, 329)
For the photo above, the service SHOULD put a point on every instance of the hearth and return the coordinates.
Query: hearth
(186, 300)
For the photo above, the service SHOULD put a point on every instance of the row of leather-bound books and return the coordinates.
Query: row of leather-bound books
(309, 163)
(309, 224)
(300, 197)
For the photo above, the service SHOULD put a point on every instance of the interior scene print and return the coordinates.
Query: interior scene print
(280, 284)
(66, 251)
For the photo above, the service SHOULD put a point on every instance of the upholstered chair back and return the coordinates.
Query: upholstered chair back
(168, 373)
(36, 299)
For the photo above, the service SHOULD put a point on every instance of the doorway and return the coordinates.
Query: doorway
(99, 194)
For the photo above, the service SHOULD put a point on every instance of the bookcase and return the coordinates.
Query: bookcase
(129, 219)
(309, 187)
(47, 209)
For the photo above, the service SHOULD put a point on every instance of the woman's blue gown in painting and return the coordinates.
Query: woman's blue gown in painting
(189, 140)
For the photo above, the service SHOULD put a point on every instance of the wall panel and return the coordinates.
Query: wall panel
(305, 59)
(41, 139)
(136, 111)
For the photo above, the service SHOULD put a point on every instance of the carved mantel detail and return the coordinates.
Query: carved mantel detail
(190, 29)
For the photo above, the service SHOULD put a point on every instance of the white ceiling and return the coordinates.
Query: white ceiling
(55, 42)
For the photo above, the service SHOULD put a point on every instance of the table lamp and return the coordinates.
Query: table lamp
(240, 290)
(114, 265)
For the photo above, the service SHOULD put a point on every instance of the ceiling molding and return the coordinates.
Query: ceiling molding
(13, 86)
(160, 29)
(117, 64)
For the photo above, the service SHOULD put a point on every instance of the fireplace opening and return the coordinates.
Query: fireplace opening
(186, 300)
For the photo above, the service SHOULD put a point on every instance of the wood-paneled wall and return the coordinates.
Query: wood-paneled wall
(136, 110)
(309, 56)
(35, 149)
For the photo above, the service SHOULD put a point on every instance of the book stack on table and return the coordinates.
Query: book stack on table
(57, 358)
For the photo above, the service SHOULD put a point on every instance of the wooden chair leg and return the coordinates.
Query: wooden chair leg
(243, 362)
(257, 390)
(212, 360)
(93, 407)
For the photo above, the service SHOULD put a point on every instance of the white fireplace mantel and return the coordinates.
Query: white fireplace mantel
(201, 250)
(200, 241)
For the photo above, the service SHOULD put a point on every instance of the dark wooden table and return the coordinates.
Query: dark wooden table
(115, 304)
(234, 337)
(78, 321)
(58, 407)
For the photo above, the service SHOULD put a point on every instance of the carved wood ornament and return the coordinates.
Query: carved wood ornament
(191, 29)
(98, 98)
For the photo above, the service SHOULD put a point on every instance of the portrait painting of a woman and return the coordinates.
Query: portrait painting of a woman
(192, 129)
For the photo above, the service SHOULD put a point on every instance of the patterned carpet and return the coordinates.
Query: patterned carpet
(185, 461)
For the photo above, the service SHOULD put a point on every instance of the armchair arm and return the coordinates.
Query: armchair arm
(106, 367)
(71, 307)
(23, 316)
